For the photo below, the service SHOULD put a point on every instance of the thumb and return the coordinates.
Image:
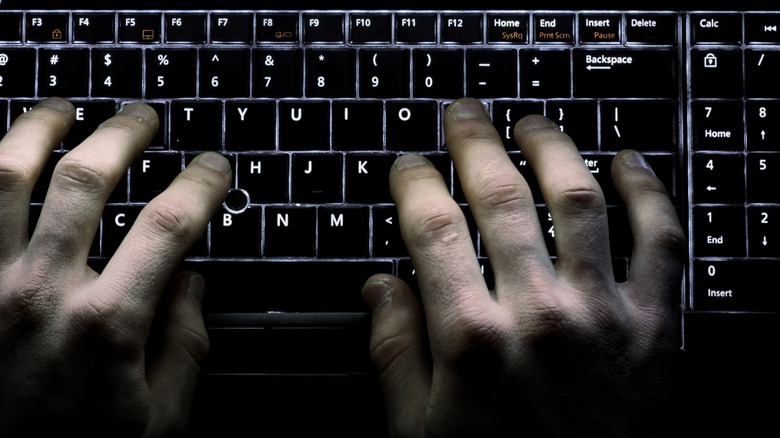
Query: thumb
(173, 364)
(399, 351)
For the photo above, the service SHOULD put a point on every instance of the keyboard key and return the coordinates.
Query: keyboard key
(624, 124)
(236, 235)
(304, 125)
(412, 125)
(491, 73)
(196, 125)
(721, 285)
(17, 72)
(366, 178)
(185, 28)
(717, 125)
(507, 28)
(554, 28)
(93, 28)
(278, 73)
(357, 125)
(387, 241)
(600, 28)
(716, 28)
(762, 68)
(716, 73)
(330, 73)
(224, 73)
(648, 28)
(265, 177)
(11, 27)
(48, 28)
(461, 28)
(317, 178)
(116, 222)
(545, 73)
(762, 118)
(415, 28)
(229, 27)
(152, 173)
(250, 125)
(342, 232)
(290, 232)
(438, 73)
(762, 28)
(576, 118)
(506, 113)
(763, 177)
(63, 73)
(624, 73)
(277, 28)
(384, 73)
(323, 28)
(137, 27)
(116, 73)
(763, 234)
(170, 73)
(719, 231)
(718, 178)
(89, 115)
(369, 28)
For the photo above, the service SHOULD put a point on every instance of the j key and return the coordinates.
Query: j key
(317, 178)
(116, 222)
(437, 73)
(265, 177)
(139, 27)
(412, 126)
(384, 73)
(330, 73)
(170, 73)
(762, 68)
(277, 28)
(231, 27)
(116, 73)
(576, 118)
(185, 28)
(151, 174)
(236, 235)
(762, 119)
(763, 177)
(461, 28)
(415, 28)
(386, 237)
(369, 28)
(716, 73)
(89, 114)
(342, 232)
(624, 124)
(323, 28)
(304, 125)
(224, 73)
(718, 179)
(250, 125)
(763, 232)
(624, 73)
(357, 125)
(93, 28)
(506, 113)
(290, 232)
(366, 178)
(719, 231)
(721, 285)
(545, 73)
(717, 125)
(491, 73)
(278, 73)
(63, 72)
(196, 125)
(17, 73)
(49, 28)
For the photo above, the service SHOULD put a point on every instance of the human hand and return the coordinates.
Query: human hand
(115, 353)
(554, 350)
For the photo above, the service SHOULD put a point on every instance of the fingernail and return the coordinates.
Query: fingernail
(467, 109)
(196, 286)
(57, 103)
(412, 160)
(529, 123)
(214, 161)
(636, 160)
(139, 111)
(377, 293)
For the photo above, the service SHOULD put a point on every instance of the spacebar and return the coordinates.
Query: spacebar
(285, 286)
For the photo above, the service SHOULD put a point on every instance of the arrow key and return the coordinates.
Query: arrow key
(718, 179)
(763, 233)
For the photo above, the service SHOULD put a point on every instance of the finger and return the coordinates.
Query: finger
(659, 241)
(161, 235)
(497, 194)
(436, 235)
(575, 201)
(82, 181)
(399, 351)
(23, 154)
(179, 345)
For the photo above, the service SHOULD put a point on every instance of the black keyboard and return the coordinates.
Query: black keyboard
(311, 107)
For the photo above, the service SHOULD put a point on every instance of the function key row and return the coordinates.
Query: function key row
(339, 27)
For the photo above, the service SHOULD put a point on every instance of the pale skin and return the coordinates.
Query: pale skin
(553, 350)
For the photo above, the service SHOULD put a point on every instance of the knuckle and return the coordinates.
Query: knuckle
(78, 175)
(167, 219)
(475, 335)
(440, 224)
(502, 194)
(14, 175)
(97, 317)
(580, 197)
